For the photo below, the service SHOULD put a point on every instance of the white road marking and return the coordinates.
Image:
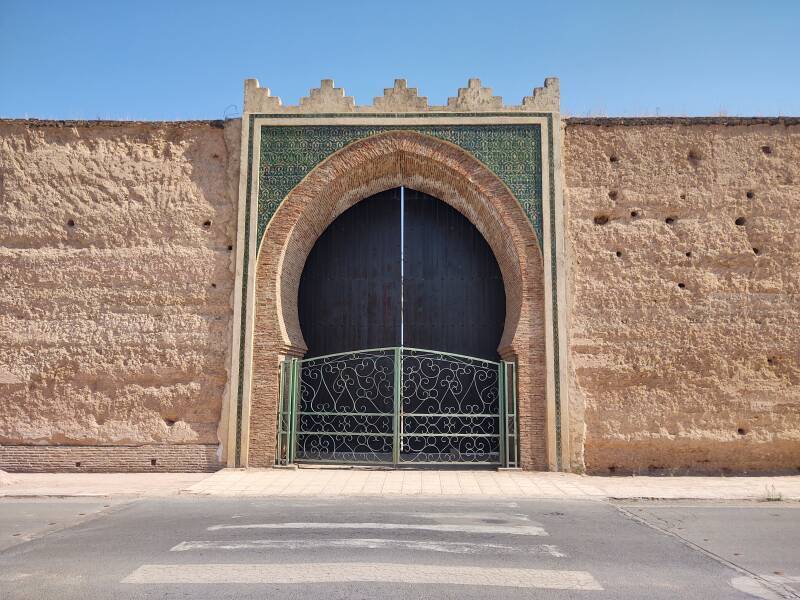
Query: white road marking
(9, 577)
(464, 516)
(372, 543)
(782, 578)
(494, 529)
(754, 588)
(361, 572)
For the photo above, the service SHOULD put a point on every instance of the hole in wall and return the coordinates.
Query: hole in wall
(634, 213)
(740, 221)
(78, 464)
(694, 156)
(770, 360)
(689, 254)
(756, 251)
(681, 285)
(618, 253)
(613, 468)
(207, 224)
(230, 248)
(766, 149)
(683, 196)
(669, 220)
(741, 431)
(613, 158)
(71, 223)
(152, 462)
(213, 285)
(601, 219)
(750, 194)
(169, 422)
(612, 194)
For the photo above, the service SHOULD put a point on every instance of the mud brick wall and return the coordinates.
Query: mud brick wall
(684, 257)
(115, 292)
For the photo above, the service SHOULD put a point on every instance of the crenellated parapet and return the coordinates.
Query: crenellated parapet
(400, 98)
(544, 98)
(475, 98)
(328, 99)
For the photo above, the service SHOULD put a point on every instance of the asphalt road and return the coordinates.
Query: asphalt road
(395, 548)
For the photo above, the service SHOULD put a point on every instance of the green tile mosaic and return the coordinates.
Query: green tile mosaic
(290, 152)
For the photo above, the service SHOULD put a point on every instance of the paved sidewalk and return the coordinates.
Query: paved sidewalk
(362, 482)
(97, 484)
(329, 482)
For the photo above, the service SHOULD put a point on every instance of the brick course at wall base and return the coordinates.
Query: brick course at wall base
(152, 458)
(697, 457)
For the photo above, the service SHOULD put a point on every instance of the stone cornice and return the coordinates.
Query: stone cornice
(399, 99)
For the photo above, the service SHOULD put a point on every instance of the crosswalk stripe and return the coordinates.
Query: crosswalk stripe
(463, 516)
(371, 543)
(449, 528)
(361, 572)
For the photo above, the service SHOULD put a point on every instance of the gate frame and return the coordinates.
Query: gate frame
(289, 415)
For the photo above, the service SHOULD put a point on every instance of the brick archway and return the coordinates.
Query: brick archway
(356, 172)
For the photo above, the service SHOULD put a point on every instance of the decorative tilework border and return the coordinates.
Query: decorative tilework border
(554, 289)
(260, 233)
(289, 153)
(243, 308)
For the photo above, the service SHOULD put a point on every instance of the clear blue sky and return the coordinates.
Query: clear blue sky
(174, 59)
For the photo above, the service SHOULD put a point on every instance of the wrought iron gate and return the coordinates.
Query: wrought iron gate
(397, 406)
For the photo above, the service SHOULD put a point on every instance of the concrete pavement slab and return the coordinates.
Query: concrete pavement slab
(331, 482)
(351, 482)
(99, 484)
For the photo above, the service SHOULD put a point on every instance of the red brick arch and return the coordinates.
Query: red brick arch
(356, 172)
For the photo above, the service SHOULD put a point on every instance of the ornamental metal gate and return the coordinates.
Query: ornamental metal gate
(397, 406)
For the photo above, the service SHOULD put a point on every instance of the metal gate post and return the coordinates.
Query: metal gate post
(397, 424)
(503, 421)
(294, 395)
(281, 442)
(516, 414)
(509, 409)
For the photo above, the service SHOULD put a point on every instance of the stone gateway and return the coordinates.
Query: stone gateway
(401, 284)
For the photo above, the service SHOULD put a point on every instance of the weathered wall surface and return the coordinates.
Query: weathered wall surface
(684, 294)
(684, 323)
(115, 292)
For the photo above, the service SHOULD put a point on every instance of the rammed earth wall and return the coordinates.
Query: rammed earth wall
(115, 293)
(684, 256)
(683, 270)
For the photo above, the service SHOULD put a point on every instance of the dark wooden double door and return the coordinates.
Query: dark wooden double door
(402, 268)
